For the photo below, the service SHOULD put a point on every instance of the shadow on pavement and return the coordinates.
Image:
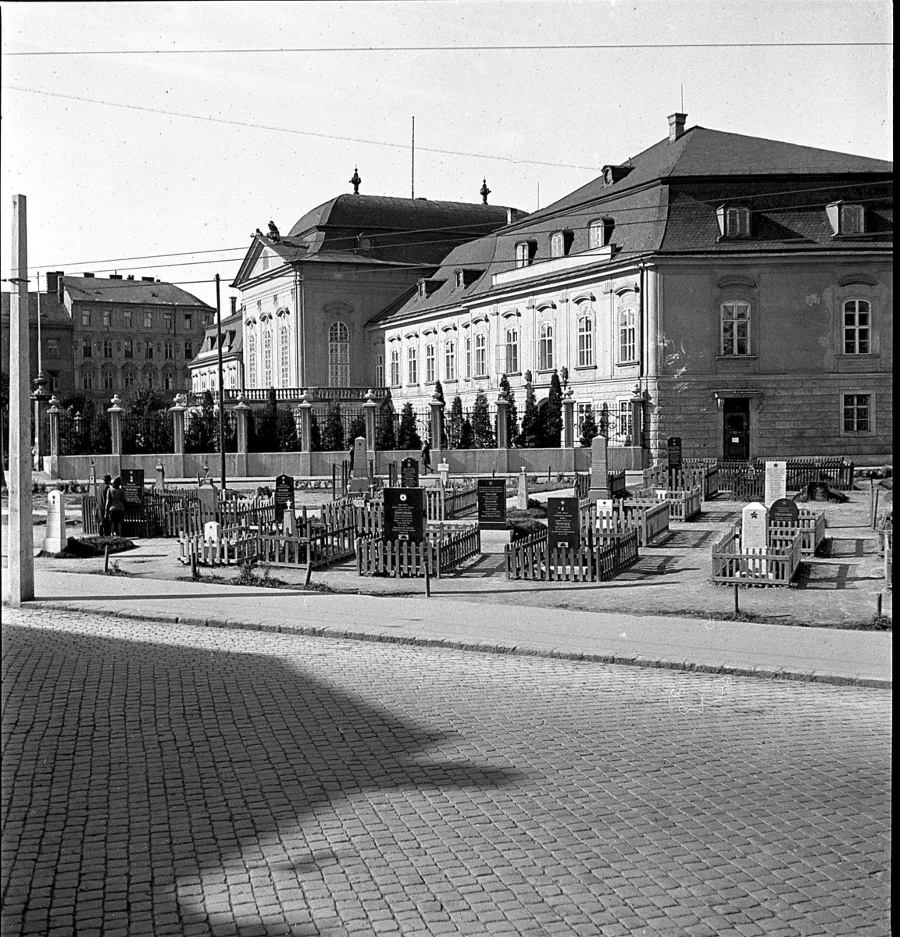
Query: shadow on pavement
(143, 768)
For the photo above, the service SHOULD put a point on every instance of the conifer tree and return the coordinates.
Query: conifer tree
(333, 432)
(385, 438)
(482, 431)
(455, 423)
(286, 432)
(530, 437)
(466, 436)
(553, 420)
(439, 395)
(512, 416)
(604, 421)
(588, 429)
(315, 432)
(407, 437)
(357, 428)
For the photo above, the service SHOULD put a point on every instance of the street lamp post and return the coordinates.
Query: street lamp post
(221, 384)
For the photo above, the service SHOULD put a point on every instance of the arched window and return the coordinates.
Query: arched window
(627, 335)
(251, 360)
(857, 327)
(168, 380)
(450, 360)
(585, 341)
(379, 370)
(429, 363)
(734, 221)
(468, 357)
(339, 355)
(267, 357)
(545, 347)
(512, 351)
(412, 366)
(284, 355)
(395, 367)
(480, 355)
(109, 379)
(735, 328)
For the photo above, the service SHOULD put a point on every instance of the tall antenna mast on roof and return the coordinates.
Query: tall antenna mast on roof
(682, 98)
(413, 167)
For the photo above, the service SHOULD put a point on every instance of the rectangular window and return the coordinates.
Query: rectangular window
(86, 348)
(395, 368)
(128, 319)
(128, 379)
(106, 318)
(54, 380)
(188, 320)
(584, 410)
(170, 351)
(735, 329)
(379, 370)
(87, 381)
(148, 351)
(480, 356)
(86, 318)
(52, 348)
(857, 327)
(557, 244)
(107, 348)
(148, 320)
(512, 351)
(129, 348)
(188, 350)
(108, 380)
(857, 413)
(450, 360)
(412, 366)
(429, 364)
(168, 321)
(624, 421)
(585, 342)
(852, 219)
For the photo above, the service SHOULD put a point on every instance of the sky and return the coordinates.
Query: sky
(154, 138)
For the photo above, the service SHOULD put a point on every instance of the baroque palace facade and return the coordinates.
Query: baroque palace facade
(740, 286)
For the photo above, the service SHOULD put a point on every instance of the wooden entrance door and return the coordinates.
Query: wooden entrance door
(736, 428)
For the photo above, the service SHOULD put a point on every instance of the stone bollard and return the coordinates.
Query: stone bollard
(116, 413)
(55, 534)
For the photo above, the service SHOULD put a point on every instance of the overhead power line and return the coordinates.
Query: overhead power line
(535, 47)
(302, 133)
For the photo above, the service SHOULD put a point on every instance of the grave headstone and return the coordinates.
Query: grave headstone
(208, 498)
(562, 523)
(404, 514)
(599, 469)
(284, 495)
(755, 535)
(55, 536)
(492, 503)
(444, 472)
(776, 481)
(359, 473)
(133, 486)
(212, 532)
(522, 491)
(409, 473)
(673, 452)
(784, 511)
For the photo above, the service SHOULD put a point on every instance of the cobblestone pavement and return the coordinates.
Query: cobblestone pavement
(187, 781)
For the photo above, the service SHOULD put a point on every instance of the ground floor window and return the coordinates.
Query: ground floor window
(857, 413)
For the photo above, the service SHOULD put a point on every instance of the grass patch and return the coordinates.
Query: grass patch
(81, 548)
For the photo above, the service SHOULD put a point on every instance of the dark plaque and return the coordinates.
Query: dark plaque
(562, 521)
(284, 495)
(133, 486)
(492, 503)
(404, 514)
(409, 473)
(784, 511)
(673, 451)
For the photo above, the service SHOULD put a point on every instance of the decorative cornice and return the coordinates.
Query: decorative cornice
(861, 279)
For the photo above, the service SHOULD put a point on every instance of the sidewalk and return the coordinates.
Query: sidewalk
(816, 654)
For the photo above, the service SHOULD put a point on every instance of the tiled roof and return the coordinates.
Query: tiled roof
(143, 292)
(232, 340)
(52, 312)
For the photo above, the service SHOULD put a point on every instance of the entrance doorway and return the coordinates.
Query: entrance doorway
(736, 428)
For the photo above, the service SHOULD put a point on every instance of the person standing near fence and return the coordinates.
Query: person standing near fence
(102, 520)
(115, 508)
(426, 457)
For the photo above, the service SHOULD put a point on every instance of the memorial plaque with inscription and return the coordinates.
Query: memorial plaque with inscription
(492, 503)
(409, 473)
(133, 486)
(562, 522)
(404, 514)
(776, 481)
(784, 511)
(673, 452)
(284, 495)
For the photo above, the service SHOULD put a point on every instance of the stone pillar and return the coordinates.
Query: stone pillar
(242, 414)
(116, 412)
(599, 470)
(502, 422)
(305, 408)
(369, 408)
(39, 397)
(637, 417)
(53, 413)
(437, 407)
(177, 412)
(569, 419)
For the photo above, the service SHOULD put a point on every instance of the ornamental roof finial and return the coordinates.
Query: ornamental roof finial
(355, 181)
(485, 191)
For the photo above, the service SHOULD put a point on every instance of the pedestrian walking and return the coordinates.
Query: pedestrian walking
(115, 507)
(102, 520)
(426, 457)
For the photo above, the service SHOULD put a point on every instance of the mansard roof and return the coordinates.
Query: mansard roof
(116, 290)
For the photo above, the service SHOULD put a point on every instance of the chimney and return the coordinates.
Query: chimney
(130, 276)
(147, 279)
(88, 275)
(115, 276)
(509, 216)
(676, 126)
(53, 278)
(233, 304)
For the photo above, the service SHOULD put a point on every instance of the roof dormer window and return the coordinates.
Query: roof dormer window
(734, 221)
(846, 218)
(560, 243)
(525, 251)
(423, 290)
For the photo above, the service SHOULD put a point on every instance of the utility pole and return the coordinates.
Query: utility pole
(221, 384)
(413, 166)
(20, 545)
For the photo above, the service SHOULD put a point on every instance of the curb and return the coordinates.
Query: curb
(480, 647)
